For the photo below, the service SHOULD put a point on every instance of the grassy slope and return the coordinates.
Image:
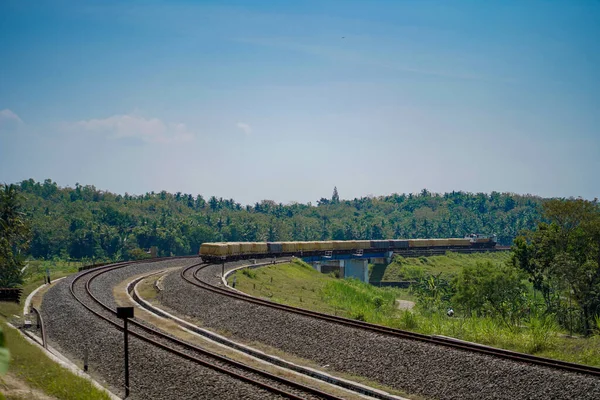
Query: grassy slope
(30, 364)
(448, 264)
(295, 284)
(299, 285)
(27, 360)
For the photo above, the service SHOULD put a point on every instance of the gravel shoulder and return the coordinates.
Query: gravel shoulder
(411, 367)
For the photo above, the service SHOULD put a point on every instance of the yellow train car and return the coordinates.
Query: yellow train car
(309, 246)
(342, 244)
(419, 243)
(325, 245)
(245, 247)
(459, 242)
(289, 247)
(260, 248)
(363, 244)
(233, 248)
(439, 242)
(213, 249)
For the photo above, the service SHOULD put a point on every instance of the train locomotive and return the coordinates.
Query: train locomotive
(228, 251)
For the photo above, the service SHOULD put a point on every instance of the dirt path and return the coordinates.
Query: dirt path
(404, 304)
(13, 387)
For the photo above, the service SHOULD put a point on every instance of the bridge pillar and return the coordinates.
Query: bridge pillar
(389, 256)
(329, 266)
(317, 265)
(357, 268)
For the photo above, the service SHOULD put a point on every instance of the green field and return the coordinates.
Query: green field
(299, 285)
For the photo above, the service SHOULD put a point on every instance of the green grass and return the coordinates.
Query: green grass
(449, 264)
(296, 284)
(299, 285)
(29, 364)
(37, 269)
(33, 278)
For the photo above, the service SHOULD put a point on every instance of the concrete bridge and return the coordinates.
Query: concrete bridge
(348, 265)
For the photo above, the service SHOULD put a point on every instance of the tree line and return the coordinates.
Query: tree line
(86, 223)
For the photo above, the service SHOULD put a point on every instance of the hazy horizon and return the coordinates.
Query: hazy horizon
(206, 196)
(285, 100)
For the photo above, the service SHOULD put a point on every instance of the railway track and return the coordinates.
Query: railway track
(80, 289)
(190, 275)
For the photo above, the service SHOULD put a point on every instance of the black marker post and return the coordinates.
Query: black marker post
(125, 313)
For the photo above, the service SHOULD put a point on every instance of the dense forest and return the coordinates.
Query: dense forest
(86, 223)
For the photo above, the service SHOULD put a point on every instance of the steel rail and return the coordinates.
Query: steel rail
(40, 323)
(99, 271)
(452, 343)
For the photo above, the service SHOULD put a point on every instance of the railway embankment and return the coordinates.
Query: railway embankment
(407, 365)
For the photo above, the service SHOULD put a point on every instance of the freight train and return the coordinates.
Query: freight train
(227, 251)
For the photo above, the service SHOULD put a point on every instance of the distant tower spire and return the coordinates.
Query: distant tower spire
(336, 197)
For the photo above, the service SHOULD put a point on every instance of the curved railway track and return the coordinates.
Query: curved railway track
(80, 289)
(190, 275)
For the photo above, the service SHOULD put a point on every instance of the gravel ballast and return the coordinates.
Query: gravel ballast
(154, 373)
(410, 366)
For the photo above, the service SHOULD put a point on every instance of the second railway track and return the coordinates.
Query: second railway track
(190, 275)
(423, 365)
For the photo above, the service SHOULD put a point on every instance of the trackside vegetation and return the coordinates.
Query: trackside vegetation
(27, 361)
(448, 265)
(510, 327)
(562, 260)
(29, 364)
(14, 236)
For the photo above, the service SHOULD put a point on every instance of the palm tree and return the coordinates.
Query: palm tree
(13, 236)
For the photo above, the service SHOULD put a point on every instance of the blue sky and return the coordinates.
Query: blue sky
(285, 100)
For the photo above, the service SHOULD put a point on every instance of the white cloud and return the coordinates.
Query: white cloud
(152, 130)
(9, 120)
(244, 127)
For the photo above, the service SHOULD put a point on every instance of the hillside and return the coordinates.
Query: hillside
(84, 222)
(448, 265)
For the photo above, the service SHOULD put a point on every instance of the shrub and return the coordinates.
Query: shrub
(399, 260)
(487, 289)
(249, 273)
(138, 254)
(433, 293)
(542, 330)
(408, 320)
(359, 316)
(377, 301)
(412, 272)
